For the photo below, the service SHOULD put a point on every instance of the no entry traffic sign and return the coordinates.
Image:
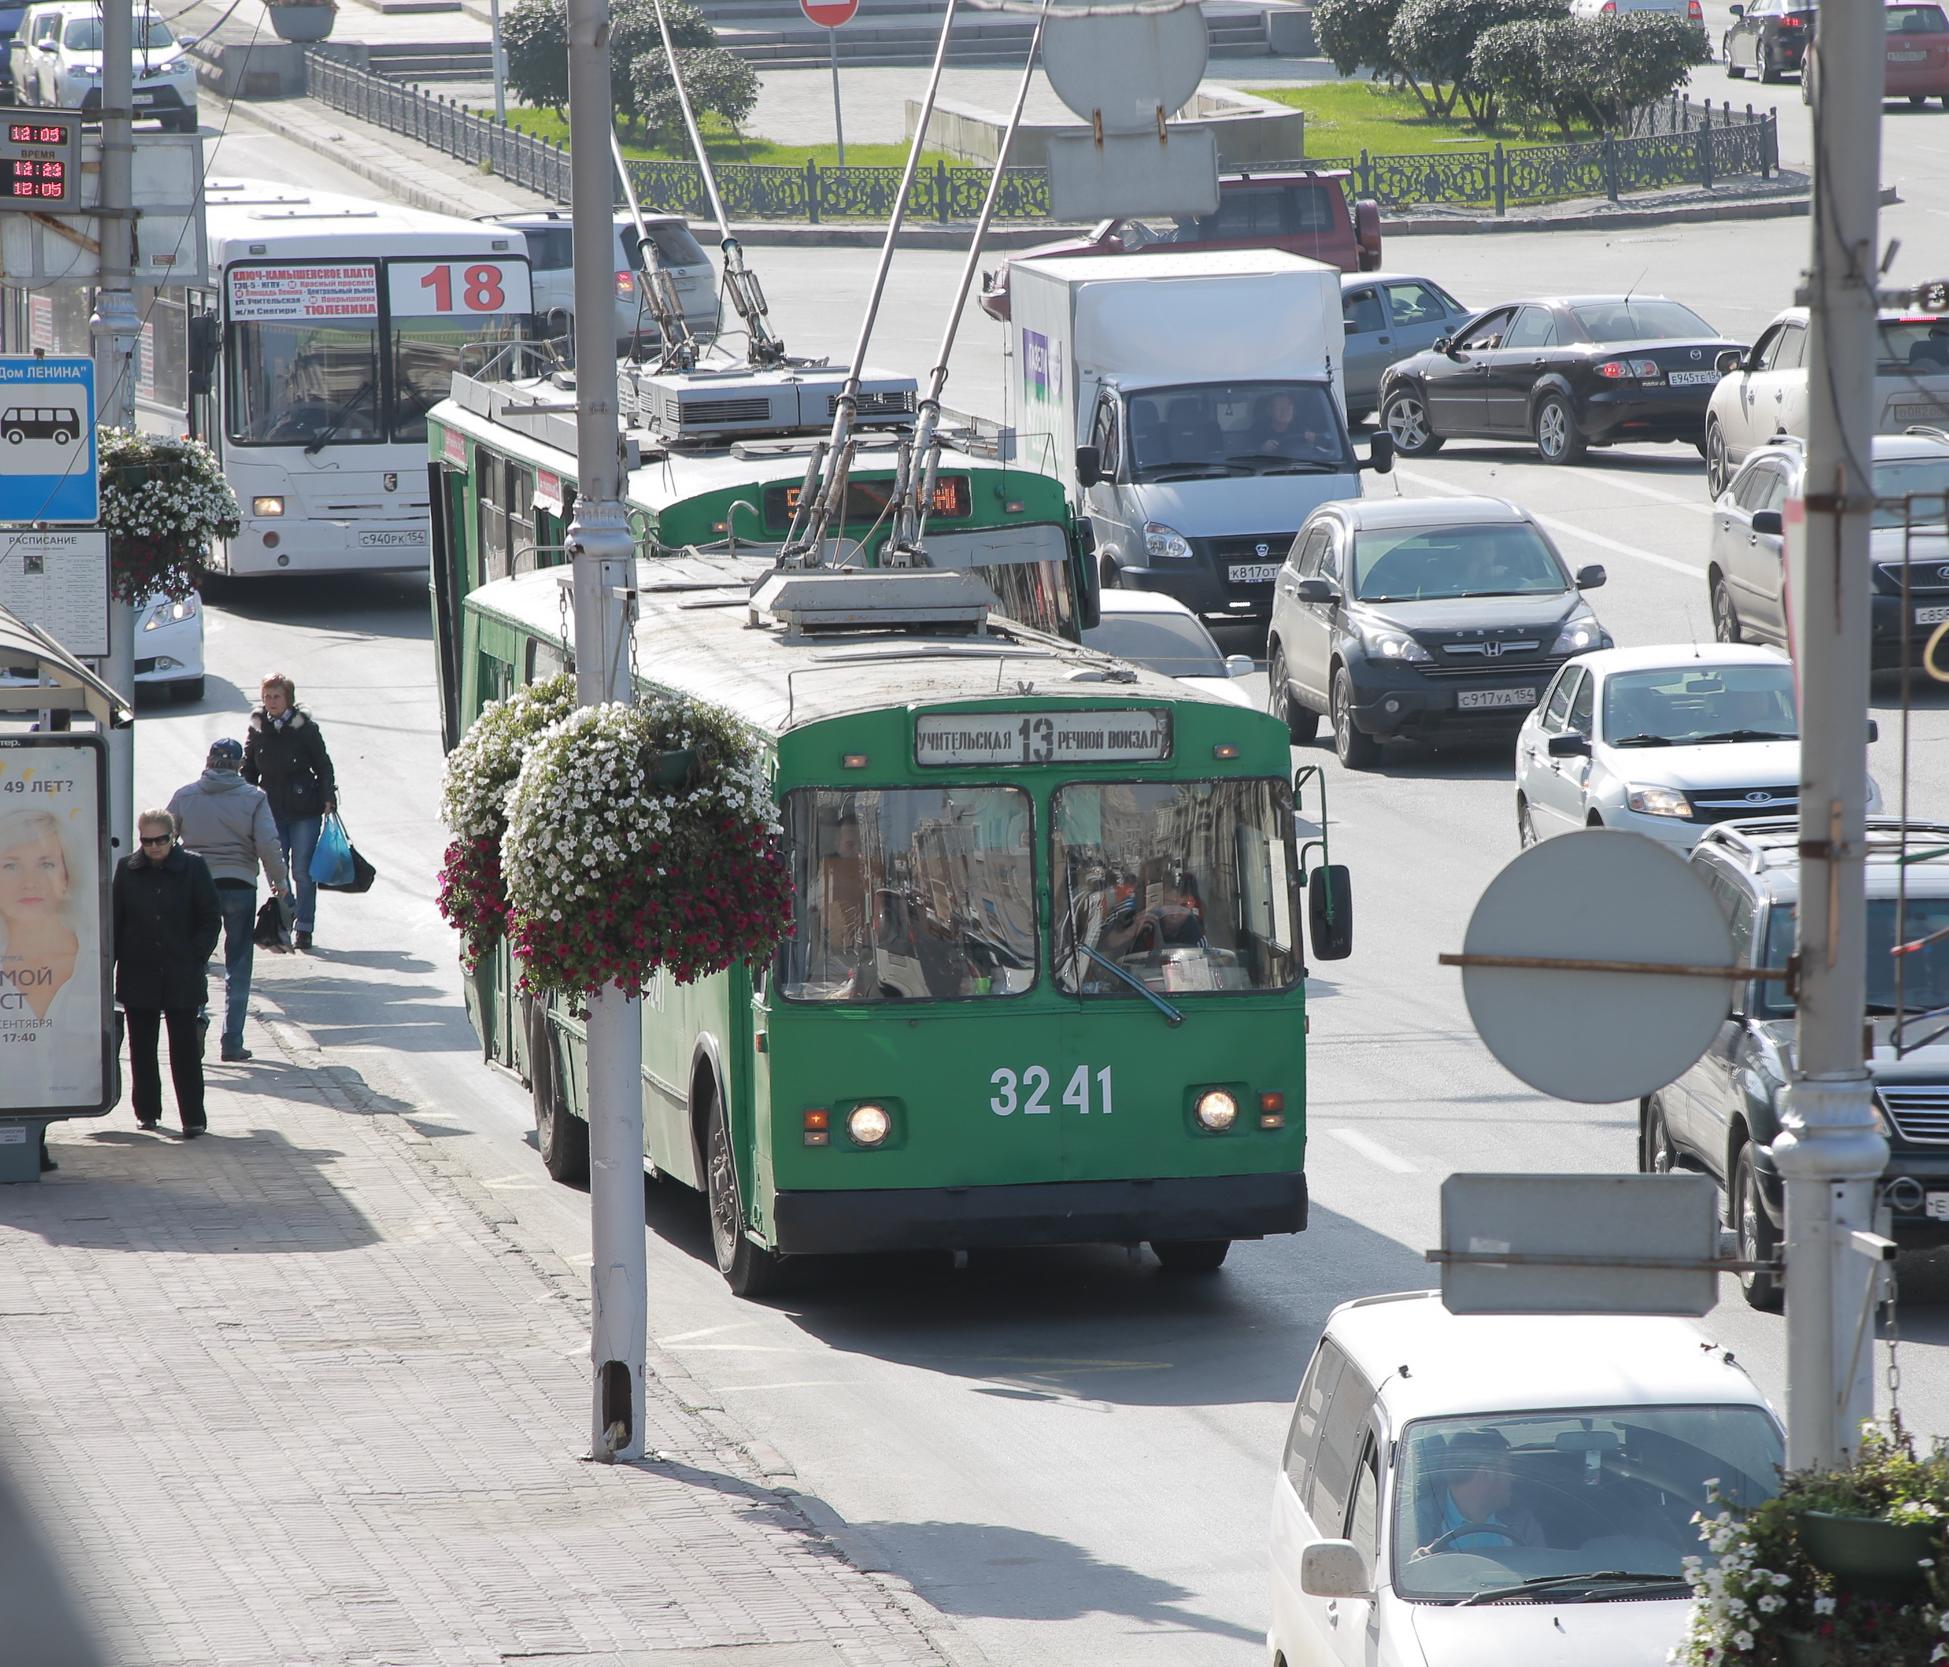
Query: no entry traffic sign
(829, 14)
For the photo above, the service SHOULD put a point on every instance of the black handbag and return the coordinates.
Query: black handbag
(270, 931)
(363, 873)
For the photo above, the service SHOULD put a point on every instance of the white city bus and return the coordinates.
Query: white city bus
(329, 328)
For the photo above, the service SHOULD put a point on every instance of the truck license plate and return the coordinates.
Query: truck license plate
(1690, 378)
(1938, 1206)
(1253, 572)
(1931, 616)
(1476, 698)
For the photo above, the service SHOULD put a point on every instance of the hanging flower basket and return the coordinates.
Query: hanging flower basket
(1870, 1555)
(641, 838)
(302, 20)
(473, 895)
(162, 501)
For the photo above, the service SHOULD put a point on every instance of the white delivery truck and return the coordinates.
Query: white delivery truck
(1193, 404)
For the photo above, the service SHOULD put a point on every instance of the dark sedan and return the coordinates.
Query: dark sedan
(1769, 37)
(1565, 374)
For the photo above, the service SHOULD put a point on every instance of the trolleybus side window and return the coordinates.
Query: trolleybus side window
(910, 894)
(520, 491)
(1184, 886)
(494, 539)
(297, 384)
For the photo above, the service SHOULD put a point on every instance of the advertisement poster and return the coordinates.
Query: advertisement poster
(53, 947)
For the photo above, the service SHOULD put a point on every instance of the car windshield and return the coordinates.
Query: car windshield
(1220, 430)
(1178, 886)
(909, 894)
(1924, 969)
(1176, 645)
(1925, 480)
(1423, 564)
(1639, 321)
(1700, 705)
(84, 34)
(1497, 1507)
(1912, 343)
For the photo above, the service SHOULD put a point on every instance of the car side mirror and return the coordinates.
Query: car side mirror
(1767, 523)
(1443, 344)
(1729, 361)
(1241, 665)
(1874, 732)
(1089, 466)
(1380, 453)
(1570, 745)
(187, 41)
(1737, 11)
(205, 332)
(1334, 1569)
(1329, 913)
(1317, 590)
(1592, 577)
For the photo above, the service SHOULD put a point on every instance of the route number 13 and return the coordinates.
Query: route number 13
(1029, 1093)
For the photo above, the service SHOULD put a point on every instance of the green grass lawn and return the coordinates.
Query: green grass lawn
(725, 146)
(1343, 118)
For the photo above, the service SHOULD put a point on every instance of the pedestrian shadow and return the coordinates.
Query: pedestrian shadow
(359, 1011)
(238, 1191)
(269, 1077)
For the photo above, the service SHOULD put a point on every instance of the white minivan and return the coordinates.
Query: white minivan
(1460, 1490)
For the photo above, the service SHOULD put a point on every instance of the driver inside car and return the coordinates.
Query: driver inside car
(1472, 1503)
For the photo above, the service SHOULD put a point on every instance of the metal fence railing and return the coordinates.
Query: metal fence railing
(1678, 144)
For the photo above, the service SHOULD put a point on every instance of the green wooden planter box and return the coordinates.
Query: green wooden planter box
(1877, 1558)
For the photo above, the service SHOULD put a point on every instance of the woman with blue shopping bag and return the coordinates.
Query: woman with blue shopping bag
(285, 755)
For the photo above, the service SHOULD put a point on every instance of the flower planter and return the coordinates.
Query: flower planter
(302, 23)
(673, 769)
(1874, 1557)
(1801, 1649)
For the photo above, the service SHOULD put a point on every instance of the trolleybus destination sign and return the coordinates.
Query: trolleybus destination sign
(948, 738)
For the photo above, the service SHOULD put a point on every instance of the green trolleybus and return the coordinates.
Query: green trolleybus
(1045, 980)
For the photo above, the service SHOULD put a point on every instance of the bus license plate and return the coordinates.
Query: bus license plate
(1691, 378)
(1253, 572)
(1931, 616)
(1470, 699)
(391, 540)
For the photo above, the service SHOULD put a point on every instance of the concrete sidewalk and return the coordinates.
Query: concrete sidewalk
(300, 1392)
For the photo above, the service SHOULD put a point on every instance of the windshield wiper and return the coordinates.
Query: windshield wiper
(1626, 1580)
(1643, 741)
(338, 418)
(1748, 735)
(1171, 1013)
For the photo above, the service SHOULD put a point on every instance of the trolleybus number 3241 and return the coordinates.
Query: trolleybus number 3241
(1009, 1089)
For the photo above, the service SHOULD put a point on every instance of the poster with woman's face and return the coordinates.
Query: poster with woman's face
(51, 943)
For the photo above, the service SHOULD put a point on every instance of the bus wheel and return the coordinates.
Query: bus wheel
(747, 1268)
(1190, 1255)
(562, 1136)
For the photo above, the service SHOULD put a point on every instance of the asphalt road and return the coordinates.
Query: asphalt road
(1067, 1453)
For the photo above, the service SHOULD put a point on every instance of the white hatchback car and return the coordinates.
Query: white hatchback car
(1661, 741)
(1462, 1490)
(56, 59)
(1161, 634)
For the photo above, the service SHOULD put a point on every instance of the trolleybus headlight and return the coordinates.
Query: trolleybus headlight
(1216, 1109)
(868, 1125)
(267, 506)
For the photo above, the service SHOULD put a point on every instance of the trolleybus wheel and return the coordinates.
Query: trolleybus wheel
(1191, 1255)
(748, 1269)
(562, 1136)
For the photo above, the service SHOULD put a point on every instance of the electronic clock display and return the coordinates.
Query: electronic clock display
(866, 501)
(37, 163)
(36, 133)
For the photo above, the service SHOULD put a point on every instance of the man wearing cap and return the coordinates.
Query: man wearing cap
(228, 823)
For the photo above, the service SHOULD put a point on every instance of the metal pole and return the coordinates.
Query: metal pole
(1831, 1152)
(602, 554)
(500, 61)
(113, 330)
(838, 123)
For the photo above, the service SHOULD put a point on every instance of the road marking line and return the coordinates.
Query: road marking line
(800, 1383)
(707, 1331)
(1374, 1151)
(1657, 493)
(1566, 530)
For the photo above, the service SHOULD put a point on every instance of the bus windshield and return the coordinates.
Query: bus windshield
(300, 384)
(1185, 886)
(910, 893)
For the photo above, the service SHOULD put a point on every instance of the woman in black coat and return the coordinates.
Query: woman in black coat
(167, 922)
(285, 755)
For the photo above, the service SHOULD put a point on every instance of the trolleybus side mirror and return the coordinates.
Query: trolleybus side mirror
(1329, 912)
(1089, 466)
(1380, 453)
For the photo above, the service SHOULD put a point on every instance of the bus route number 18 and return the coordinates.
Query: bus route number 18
(1028, 1093)
(482, 288)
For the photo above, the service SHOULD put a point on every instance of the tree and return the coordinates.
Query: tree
(718, 81)
(1600, 70)
(1534, 71)
(1639, 58)
(1354, 34)
(1431, 41)
(534, 37)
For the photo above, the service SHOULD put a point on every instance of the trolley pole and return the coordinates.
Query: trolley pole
(113, 330)
(1832, 1152)
(603, 554)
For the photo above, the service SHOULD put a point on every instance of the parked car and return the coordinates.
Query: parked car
(1723, 1114)
(1388, 317)
(1763, 393)
(1769, 37)
(671, 248)
(1304, 213)
(1164, 635)
(1464, 1489)
(10, 16)
(1434, 618)
(1689, 9)
(56, 59)
(1661, 741)
(1565, 374)
(1746, 574)
(1917, 54)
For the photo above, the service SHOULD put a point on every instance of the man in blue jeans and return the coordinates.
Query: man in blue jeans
(228, 823)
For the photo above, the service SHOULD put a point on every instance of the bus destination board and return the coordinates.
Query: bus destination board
(1134, 735)
(40, 154)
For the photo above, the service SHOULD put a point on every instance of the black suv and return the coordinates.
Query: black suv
(1722, 1115)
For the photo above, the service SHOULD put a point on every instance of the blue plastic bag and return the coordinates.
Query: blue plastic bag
(331, 862)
